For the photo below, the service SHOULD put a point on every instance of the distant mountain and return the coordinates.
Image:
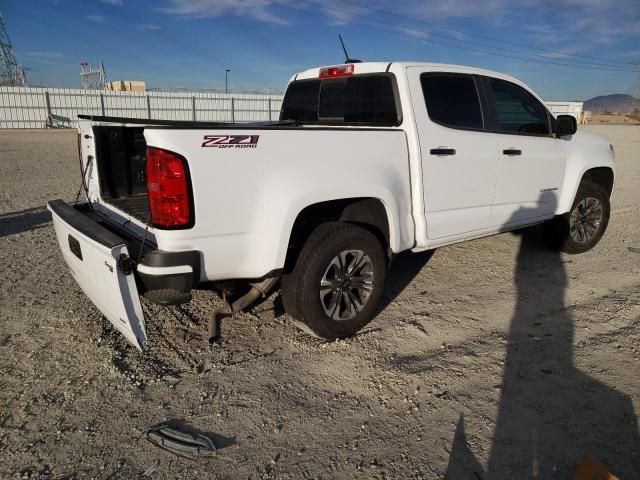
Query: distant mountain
(617, 103)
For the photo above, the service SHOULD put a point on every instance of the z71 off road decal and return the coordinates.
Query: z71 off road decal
(231, 141)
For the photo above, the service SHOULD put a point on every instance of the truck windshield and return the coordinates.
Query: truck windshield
(357, 100)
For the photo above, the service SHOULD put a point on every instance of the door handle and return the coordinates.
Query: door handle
(442, 151)
(512, 151)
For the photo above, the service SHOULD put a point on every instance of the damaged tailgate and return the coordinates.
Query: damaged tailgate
(99, 261)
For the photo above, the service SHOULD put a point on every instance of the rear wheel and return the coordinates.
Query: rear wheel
(583, 226)
(337, 280)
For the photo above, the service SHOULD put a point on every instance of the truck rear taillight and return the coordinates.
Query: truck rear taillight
(337, 71)
(169, 190)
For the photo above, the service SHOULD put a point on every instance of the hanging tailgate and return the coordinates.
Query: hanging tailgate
(99, 261)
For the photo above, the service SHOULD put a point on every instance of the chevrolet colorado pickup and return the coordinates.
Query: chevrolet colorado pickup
(367, 160)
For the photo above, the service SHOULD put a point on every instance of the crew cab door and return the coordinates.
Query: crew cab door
(531, 161)
(459, 160)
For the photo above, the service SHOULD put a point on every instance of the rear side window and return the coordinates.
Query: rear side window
(361, 100)
(452, 100)
(517, 111)
(301, 101)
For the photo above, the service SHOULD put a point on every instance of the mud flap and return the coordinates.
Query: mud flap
(184, 444)
(99, 262)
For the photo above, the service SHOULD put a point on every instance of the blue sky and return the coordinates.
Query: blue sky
(190, 43)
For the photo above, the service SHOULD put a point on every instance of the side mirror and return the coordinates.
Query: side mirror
(566, 125)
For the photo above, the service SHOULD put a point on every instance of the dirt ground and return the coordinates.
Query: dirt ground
(597, 118)
(493, 359)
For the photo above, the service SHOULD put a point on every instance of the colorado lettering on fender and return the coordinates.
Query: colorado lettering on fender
(231, 141)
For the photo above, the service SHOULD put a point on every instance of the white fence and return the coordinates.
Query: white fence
(59, 107)
(567, 108)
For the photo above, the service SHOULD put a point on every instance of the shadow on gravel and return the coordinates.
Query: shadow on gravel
(551, 415)
(404, 268)
(24, 221)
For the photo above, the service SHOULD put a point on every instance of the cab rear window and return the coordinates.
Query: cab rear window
(357, 100)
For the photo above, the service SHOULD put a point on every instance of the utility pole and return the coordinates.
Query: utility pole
(635, 88)
(11, 72)
(226, 81)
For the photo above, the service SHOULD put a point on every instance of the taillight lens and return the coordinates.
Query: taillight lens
(168, 187)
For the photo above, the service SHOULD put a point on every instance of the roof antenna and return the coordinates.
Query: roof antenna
(346, 54)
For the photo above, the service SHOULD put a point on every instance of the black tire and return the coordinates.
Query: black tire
(564, 232)
(301, 290)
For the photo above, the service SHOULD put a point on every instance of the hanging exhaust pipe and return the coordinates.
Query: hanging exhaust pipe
(258, 290)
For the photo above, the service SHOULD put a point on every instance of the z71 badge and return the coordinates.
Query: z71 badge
(231, 141)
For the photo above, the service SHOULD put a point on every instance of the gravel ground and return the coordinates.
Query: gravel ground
(491, 359)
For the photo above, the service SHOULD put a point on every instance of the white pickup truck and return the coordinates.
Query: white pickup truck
(366, 161)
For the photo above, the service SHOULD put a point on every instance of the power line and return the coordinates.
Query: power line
(545, 58)
(399, 28)
(462, 32)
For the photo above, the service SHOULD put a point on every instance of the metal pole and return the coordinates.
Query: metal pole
(148, 107)
(102, 103)
(48, 103)
(226, 81)
(269, 108)
(233, 110)
(193, 107)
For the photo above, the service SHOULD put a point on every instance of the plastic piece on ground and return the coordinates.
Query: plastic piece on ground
(185, 444)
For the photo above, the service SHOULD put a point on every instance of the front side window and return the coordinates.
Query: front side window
(360, 100)
(517, 111)
(452, 100)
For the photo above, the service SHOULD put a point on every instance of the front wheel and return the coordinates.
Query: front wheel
(337, 281)
(581, 229)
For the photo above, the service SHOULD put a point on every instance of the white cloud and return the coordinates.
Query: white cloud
(342, 12)
(417, 34)
(148, 26)
(45, 54)
(457, 35)
(591, 20)
(437, 9)
(544, 33)
(95, 18)
(546, 21)
(601, 24)
(256, 9)
(117, 3)
(561, 53)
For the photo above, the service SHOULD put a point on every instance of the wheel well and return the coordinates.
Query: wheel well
(365, 212)
(603, 176)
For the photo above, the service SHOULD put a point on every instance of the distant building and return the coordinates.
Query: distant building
(126, 86)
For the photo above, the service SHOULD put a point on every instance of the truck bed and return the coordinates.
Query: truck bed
(137, 207)
(121, 158)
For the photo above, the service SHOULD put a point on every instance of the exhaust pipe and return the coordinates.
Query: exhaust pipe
(258, 290)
